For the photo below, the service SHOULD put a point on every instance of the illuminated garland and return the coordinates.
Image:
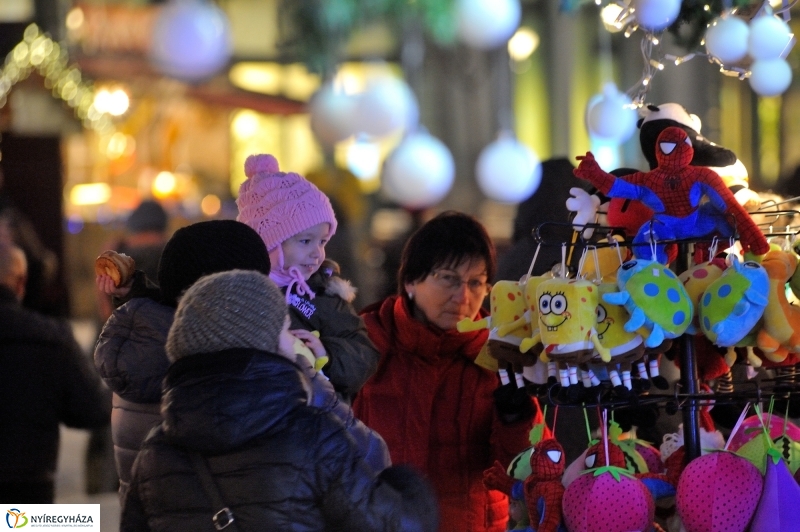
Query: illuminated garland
(39, 52)
(698, 15)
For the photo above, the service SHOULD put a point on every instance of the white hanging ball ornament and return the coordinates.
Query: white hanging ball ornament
(610, 115)
(419, 172)
(656, 15)
(769, 37)
(770, 77)
(332, 115)
(388, 104)
(486, 24)
(726, 39)
(191, 40)
(508, 171)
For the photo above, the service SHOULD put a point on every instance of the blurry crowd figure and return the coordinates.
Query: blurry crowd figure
(47, 381)
(41, 291)
(144, 240)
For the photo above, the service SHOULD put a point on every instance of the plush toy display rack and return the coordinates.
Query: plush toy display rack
(687, 395)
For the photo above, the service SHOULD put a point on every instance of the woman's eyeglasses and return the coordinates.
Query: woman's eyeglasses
(450, 281)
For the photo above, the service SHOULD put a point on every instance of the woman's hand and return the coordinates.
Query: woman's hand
(106, 285)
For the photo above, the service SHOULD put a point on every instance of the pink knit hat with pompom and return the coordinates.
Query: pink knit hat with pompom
(278, 205)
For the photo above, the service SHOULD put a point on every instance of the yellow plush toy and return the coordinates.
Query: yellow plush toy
(567, 319)
(625, 347)
(507, 306)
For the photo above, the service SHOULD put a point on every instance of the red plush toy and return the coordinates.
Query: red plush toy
(674, 190)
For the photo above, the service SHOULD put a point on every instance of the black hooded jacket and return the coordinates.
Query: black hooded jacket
(279, 463)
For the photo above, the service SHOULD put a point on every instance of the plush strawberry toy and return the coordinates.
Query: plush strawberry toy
(674, 190)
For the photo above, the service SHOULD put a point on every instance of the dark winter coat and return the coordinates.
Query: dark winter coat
(370, 443)
(353, 357)
(130, 357)
(278, 463)
(47, 380)
(436, 410)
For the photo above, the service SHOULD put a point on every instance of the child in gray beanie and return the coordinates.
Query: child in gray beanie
(234, 397)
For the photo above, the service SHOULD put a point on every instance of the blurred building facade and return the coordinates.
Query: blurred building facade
(185, 143)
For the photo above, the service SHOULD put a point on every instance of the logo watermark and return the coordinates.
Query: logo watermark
(47, 517)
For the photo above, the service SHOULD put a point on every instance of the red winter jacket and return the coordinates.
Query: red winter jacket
(435, 409)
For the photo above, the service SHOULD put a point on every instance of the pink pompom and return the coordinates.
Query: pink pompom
(256, 164)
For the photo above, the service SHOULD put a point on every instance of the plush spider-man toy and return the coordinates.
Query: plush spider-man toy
(673, 190)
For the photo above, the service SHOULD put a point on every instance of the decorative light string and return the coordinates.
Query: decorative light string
(654, 61)
(39, 52)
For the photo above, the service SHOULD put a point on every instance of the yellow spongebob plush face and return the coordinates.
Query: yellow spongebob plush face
(566, 310)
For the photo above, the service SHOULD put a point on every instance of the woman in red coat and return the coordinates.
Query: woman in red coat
(437, 410)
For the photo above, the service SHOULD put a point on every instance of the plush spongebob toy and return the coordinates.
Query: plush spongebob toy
(301, 349)
(507, 306)
(567, 319)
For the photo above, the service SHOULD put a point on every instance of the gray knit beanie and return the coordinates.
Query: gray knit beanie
(236, 308)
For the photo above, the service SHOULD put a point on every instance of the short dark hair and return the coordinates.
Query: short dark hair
(445, 241)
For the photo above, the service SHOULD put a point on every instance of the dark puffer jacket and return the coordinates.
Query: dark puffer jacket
(278, 463)
(130, 358)
(353, 357)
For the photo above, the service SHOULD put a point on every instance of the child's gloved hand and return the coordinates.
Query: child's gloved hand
(310, 344)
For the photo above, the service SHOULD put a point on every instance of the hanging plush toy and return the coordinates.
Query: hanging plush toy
(780, 333)
(567, 323)
(539, 372)
(626, 347)
(674, 191)
(733, 304)
(696, 279)
(536, 473)
(507, 305)
(655, 299)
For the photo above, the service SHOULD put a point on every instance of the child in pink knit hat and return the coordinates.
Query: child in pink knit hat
(296, 220)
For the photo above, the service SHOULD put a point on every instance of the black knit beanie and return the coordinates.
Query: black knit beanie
(209, 247)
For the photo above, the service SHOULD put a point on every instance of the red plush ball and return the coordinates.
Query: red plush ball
(604, 504)
(718, 492)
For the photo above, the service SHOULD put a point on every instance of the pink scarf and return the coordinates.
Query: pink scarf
(291, 278)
